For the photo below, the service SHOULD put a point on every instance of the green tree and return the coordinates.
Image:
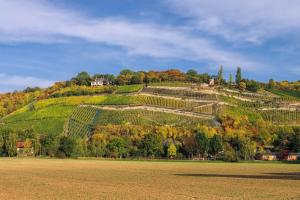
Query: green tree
(152, 145)
(72, 146)
(230, 79)
(215, 145)
(252, 86)
(49, 144)
(10, 144)
(82, 78)
(271, 83)
(172, 150)
(118, 147)
(238, 77)
(192, 75)
(203, 144)
(220, 75)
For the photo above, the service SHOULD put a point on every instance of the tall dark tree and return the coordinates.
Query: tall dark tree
(220, 75)
(238, 76)
(203, 143)
(152, 145)
(215, 145)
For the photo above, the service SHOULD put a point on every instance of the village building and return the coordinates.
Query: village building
(269, 156)
(211, 82)
(293, 156)
(23, 150)
(100, 82)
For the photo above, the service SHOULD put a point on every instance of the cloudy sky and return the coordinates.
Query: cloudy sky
(42, 41)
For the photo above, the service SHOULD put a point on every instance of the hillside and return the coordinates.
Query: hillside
(184, 119)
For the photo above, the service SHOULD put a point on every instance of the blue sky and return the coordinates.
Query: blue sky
(43, 41)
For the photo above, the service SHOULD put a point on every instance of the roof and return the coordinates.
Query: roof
(20, 145)
(99, 79)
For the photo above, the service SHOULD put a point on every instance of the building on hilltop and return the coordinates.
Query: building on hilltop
(100, 82)
(211, 82)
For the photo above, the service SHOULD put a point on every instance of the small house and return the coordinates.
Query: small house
(211, 82)
(24, 149)
(269, 156)
(100, 82)
(293, 156)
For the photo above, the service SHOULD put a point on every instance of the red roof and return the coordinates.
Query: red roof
(20, 144)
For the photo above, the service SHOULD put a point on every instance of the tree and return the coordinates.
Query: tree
(203, 143)
(252, 86)
(82, 78)
(192, 75)
(242, 86)
(190, 146)
(238, 77)
(215, 145)
(271, 83)
(72, 146)
(49, 144)
(230, 79)
(97, 145)
(117, 147)
(10, 144)
(152, 145)
(220, 75)
(172, 150)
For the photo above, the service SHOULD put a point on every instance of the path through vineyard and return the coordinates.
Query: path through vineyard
(152, 108)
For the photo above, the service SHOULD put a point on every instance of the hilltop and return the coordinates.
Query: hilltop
(156, 114)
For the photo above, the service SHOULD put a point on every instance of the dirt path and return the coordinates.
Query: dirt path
(152, 108)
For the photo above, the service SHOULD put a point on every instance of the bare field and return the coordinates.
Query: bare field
(100, 179)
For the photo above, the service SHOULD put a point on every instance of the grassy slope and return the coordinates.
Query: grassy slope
(50, 115)
(102, 179)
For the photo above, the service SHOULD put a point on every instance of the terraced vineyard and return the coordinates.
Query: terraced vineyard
(146, 117)
(169, 103)
(81, 121)
(280, 116)
(180, 93)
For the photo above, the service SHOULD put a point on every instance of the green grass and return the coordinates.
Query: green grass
(129, 88)
(103, 179)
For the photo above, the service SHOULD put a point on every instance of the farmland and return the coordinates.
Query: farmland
(100, 179)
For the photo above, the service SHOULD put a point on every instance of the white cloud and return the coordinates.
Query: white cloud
(14, 81)
(39, 21)
(240, 20)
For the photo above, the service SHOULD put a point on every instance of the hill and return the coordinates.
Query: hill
(177, 119)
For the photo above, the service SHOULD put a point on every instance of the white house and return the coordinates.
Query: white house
(211, 82)
(100, 82)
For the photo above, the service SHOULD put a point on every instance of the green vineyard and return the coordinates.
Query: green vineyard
(180, 93)
(167, 103)
(145, 117)
(81, 121)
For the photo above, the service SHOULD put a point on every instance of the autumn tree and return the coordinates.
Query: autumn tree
(172, 151)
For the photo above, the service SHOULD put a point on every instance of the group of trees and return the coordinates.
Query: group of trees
(235, 141)
(126, 77)
(240, 82)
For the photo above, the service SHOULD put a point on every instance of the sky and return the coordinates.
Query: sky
(43, 41)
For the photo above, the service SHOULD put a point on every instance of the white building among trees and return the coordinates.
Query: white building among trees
(100, 82)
